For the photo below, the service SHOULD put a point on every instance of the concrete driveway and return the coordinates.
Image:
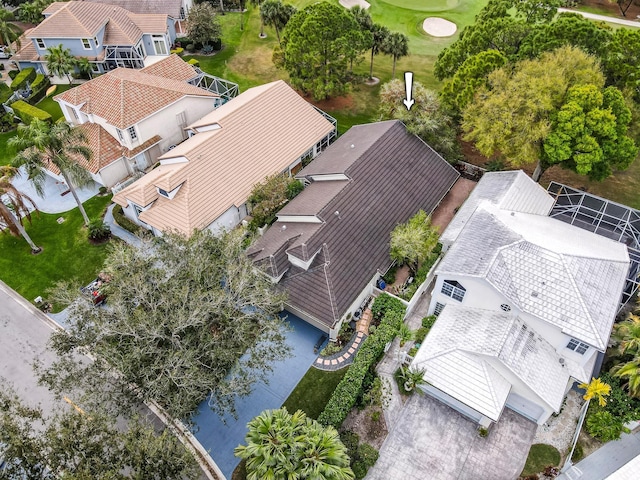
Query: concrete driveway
(432, 441)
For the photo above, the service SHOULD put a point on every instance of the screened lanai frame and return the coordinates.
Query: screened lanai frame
(603, 217)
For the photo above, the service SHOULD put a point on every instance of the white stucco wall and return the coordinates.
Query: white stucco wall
(228, 220)
(165, 121)
(113, 173)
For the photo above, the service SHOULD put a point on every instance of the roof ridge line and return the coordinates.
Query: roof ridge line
(582, 303)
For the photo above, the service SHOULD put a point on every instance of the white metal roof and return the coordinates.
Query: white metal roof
(467, 349)
(562, 274)
(512, 190)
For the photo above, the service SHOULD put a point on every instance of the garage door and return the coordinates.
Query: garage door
(524, 407)
(457, 405)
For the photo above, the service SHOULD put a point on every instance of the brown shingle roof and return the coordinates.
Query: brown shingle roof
(168, 7)
(125, 96)
(257, 138)
(171, 67)
(85, 19)
(396, 176)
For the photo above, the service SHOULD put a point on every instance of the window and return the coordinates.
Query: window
(453, 289)
(505, 308)
(95, 39)
(577, 346)
(95, 68)
(159, 44)
(163, 192)
(132, 133)
(438, 310)
(120, 136)
(40, 43)
(86, 44)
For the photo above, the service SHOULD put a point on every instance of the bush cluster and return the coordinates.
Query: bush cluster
(391, 310)
(363, 456)
(39, 88)
(5, 92)
(98, 230)
(26, 75)
(28, 112)
(124, 222)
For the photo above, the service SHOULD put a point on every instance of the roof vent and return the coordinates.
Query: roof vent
(353, 146)
(284, 227)
(337, 213)
(534, 294)
(561, 360)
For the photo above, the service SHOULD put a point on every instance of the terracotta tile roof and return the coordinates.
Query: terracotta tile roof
(125, 96)
(141, 148)
(27, 51)
(171, 67)
(168, 7)
(85, 19)
(257, 138)
(396, 175)
(143, 193)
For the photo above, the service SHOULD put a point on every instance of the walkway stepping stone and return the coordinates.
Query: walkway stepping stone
(352, 350)
(334, 362)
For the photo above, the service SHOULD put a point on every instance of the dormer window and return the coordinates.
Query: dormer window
(40, 43)
(577, 346)
(453, 289)
(168, 194)
(86, 44)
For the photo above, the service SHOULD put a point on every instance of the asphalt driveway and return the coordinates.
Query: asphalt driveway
(221, 436)
(432, 441)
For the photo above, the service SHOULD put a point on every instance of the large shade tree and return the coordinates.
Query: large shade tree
(60, 61)
(283, 446)
(42, 145)
(589, 132)
(513, 115)
(187, 318)
(14, 207)
(82, 444)
(202, 24)
(318, 43)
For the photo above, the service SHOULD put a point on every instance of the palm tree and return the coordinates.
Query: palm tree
(15, 207)
(60, 61)
(324, 455)
(362, 17)
(629, 371)
(276, 14)
(84, 66)
(41, 144)
(380, 34)
(412, 378)
(626, 335)
(396, 45)
(259, 4)
(8, 31)
(282, 446)
(596, 388)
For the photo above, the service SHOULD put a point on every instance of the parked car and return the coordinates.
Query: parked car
(5, 52)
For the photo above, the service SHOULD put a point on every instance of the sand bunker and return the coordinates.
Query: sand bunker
(352, 3)
(438, 27)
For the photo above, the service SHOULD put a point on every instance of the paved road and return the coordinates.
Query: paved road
(24, 332)
(603, 18)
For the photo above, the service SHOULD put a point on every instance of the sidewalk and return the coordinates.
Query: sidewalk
(608, 459)
(602, 18)
(118, 231)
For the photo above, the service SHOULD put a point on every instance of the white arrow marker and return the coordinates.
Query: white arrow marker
(408, 86)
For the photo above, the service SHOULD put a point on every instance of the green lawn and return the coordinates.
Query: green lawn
(48, 104)
(66, 254)
(6, 153)
(313, 392)
(540, 457)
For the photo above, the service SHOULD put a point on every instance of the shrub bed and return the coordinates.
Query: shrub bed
(5, 92)
(391, 310)
(39, 88)
(27, 75)
(362, 455)
(28, 112)
(124, 222)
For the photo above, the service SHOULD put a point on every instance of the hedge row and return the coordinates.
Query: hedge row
(25, 76)
(5, 92)
(348, 390)
(28, 112)
(39, 88)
